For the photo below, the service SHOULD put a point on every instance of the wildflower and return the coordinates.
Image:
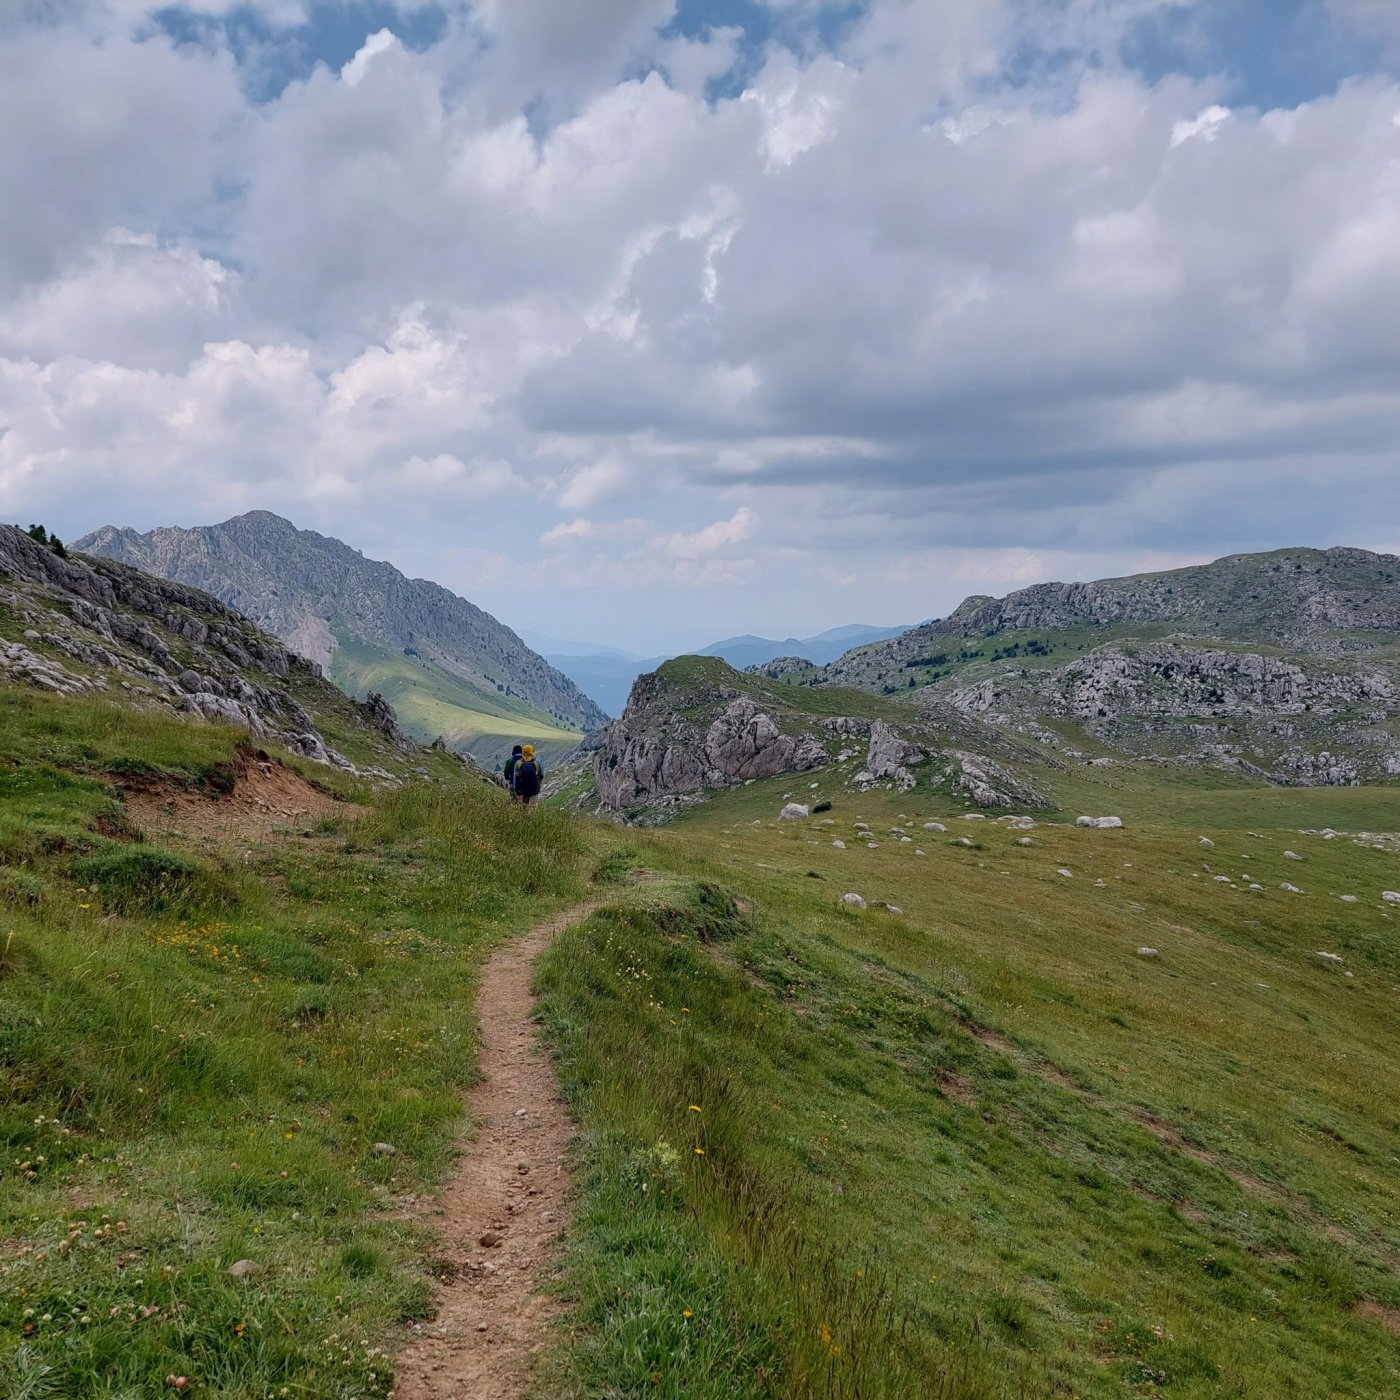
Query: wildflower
(699, 1151)
(687, 1313)
(695, 1108)
(85, 906)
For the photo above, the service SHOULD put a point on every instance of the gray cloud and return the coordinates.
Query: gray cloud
(886, 307)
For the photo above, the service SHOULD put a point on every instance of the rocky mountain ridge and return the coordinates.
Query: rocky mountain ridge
(696, 726)
(75, 626)
(324, 599)
(1284, 665)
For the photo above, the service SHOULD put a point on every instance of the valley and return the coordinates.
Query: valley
(886, 1076)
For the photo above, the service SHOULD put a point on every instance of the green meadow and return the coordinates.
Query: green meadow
(979, 1147)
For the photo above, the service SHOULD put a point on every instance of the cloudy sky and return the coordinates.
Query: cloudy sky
(651, 321)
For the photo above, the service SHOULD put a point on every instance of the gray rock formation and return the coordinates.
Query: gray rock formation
(654, 754)
(91, 625)
(989, 784)
(890, 756)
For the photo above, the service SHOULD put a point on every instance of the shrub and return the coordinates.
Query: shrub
(155, 882)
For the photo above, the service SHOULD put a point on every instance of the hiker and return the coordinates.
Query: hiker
(527, 777)
(510, 771)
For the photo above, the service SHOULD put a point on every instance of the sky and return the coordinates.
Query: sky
(648, 322)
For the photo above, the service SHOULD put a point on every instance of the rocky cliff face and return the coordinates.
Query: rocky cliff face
(655, 755)
(318, 594)
(1285, 664)
(1333, 602)
(72, 626)
(695, 726)
(1306, 722)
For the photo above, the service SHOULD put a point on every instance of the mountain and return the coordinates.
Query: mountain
(745, 651)
(1286, 664)
(95, 627)
(449, 668)
(607, 675)
(604, 677)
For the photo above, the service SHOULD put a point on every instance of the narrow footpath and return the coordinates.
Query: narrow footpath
(500, 1215)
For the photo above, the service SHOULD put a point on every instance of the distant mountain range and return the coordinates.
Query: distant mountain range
(446, 666)
(607, 675)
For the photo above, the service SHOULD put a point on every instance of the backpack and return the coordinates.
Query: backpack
(528, 774)
(510, 766)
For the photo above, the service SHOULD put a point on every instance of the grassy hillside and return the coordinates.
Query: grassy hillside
(984, 1146)
(981, 1147)
(200, 1045)
(432, 702)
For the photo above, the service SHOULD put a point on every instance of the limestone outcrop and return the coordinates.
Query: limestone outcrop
(93, 625)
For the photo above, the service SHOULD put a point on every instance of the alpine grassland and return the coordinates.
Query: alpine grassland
(1052, 1111)
(242, 1052)
(1086, 1112)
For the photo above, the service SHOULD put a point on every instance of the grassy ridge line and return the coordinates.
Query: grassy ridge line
(431, 702)
(902, 1097)
(197, 1056)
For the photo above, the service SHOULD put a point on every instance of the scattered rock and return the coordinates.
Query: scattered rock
(794, 812)
(892, 909)
(1350, 899)
(1330, 957)
(839, 845)
(1207, 843)
(245, 1268)
(853, 901)
(960, 841)
(1391, 896)
(934, 826)
(1292, 889)
(1025, 841)
(384, 1149)
(1148, 953)
(1291, 855)
(1068, 874)
(490, 1239)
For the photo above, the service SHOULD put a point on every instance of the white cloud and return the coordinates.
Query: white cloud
(379, 42)
(446, 474)
(591, 485)
(712, 538)
(573, 530)
(893, 298)
(1205, 125)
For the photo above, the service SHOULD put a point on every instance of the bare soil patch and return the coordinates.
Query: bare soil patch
(1378, 1312)
(268, 800)
(501, 1214)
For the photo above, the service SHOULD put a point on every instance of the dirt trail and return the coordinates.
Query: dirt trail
(501, 1213)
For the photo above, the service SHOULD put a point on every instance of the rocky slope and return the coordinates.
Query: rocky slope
(1333, 602)
(697, 726)
(329, 604)
(76, 626)
(1286, 665)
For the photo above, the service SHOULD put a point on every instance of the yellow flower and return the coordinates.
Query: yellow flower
(699, 1151)
(687, 1313)
(695, 1108)
(85, 906)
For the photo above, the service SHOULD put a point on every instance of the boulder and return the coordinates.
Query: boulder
(890, 755)
(853, 901)
(794, 812)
